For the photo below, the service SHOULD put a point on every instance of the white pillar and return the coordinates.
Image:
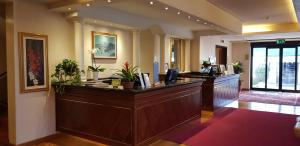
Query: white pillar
(136, 47)
(79, 42)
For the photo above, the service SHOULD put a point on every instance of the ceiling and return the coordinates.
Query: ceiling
(153, 11)
(259, 11)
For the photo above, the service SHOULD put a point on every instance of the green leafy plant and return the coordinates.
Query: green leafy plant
(206, 63)
(96, 69)
(66, 73)
(238, 67)
(128, 73)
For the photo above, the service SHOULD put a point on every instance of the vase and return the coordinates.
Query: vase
(95, 75)
(128, 85)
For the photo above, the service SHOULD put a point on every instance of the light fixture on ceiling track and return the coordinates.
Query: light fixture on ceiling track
(178, 13)
(151, 3)
(70, 8)
(166, 8)
(109, 1)
(87, 4)
(189, 17)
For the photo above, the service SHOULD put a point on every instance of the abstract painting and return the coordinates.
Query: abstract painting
(105, 45)
(33, 51)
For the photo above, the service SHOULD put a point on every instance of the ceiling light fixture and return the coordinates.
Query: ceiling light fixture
(87, 4)
(151, 2)
(189, 17)
(109, 1)
(69, 8)
(205, 23)
(178, 13)
(197, 20)
(166, 8)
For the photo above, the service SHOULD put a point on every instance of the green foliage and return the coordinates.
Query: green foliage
(238, 67)
(206, 63)
(66, 73)
(128, 73)
(96, 69)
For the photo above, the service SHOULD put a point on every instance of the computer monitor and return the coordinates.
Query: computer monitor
(171, 76)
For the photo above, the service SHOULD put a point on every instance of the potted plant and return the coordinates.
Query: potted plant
(96, 71)
(237, 66)
(66, 73)
(128, 75)
(206, 63)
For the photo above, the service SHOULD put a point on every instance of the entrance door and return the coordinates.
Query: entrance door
(275, 67)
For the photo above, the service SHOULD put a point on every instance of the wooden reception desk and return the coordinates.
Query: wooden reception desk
(127, 117)
(219, 91)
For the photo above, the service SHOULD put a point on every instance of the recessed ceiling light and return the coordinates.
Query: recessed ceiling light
(205, 23)
(197, 20)
(69, 8)
(151, 2)
(109, 1)
(178, 12)
(87, 4)
(166, 8)
(189, 17)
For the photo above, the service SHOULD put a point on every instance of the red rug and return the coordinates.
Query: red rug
(244, 128)
(282, 98)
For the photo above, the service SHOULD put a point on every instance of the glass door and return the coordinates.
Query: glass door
(298, 68)
(273, 68)
(258, 68)
(288, 68)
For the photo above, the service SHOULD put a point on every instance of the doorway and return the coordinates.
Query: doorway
(275, 67)
(3, 78)
(221, 55)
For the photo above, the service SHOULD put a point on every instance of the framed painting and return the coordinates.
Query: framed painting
(33, 52)
(105, 45)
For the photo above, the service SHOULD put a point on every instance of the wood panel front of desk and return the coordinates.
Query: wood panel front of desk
(126, 118)
(220, 91)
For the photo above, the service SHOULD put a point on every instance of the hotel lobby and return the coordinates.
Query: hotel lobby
(149, 72)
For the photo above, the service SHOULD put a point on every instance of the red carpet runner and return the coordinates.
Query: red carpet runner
(244, 128)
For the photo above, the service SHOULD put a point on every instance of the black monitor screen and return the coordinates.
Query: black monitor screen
(171, 76)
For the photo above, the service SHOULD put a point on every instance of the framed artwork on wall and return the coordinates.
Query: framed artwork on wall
(33, 58)
(105, 45)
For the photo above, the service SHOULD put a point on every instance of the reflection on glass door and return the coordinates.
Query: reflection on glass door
(288, 68)
(258, 68)
(273, 66)
(298, 67)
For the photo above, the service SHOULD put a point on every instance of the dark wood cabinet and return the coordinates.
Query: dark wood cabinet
(127, 117)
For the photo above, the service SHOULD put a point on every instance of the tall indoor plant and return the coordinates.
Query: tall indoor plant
(66, 73)
(128, 74)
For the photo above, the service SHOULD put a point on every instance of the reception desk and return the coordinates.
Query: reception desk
(219, 91)
(127, 117)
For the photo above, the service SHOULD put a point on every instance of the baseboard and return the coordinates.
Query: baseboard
(40, 140)
(245, 89)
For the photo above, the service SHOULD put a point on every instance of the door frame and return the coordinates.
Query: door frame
(267, 45)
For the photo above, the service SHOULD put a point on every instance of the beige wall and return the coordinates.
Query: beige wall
(241, 52)
(124, 48)
(35, 112)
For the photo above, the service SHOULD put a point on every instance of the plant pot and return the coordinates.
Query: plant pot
(96, 75)
(128, 85)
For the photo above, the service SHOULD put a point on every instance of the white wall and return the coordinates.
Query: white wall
(35, 112)
(241, 52)
(124, 48)
(208, 48)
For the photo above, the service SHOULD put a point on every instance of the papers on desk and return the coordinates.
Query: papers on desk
(96, 84)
